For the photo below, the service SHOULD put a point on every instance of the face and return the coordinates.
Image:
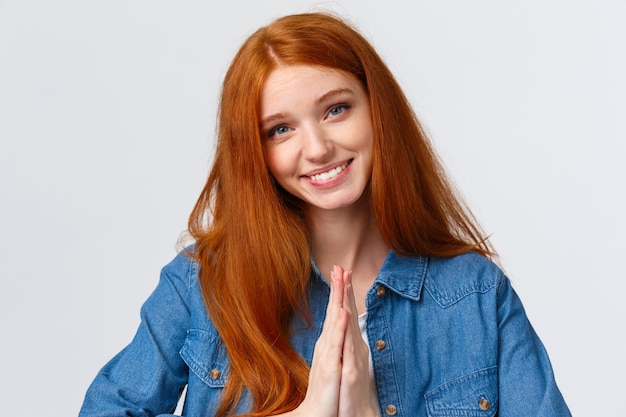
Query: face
(317, 134)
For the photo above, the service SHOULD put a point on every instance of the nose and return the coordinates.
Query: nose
(316, 146)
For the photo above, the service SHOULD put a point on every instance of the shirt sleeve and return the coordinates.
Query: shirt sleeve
(527, 384)
(146, 377)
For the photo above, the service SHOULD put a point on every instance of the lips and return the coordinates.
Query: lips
(330, 174)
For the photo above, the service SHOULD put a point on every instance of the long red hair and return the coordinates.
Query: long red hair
(251, 236)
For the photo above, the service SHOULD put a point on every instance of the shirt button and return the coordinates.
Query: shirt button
(380, 291)
(215, 374)
(484, 404)
(380, 345)
(391, 410)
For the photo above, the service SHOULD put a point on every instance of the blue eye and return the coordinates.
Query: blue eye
(337, 110)
(278, 130)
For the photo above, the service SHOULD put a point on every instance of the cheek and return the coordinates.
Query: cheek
(366, 140)
(277, 164)
(363, 132)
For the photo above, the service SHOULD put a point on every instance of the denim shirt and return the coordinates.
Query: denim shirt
(448, 337)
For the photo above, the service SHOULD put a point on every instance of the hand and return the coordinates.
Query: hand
(339, 377)
(322, 395)
(354, 394)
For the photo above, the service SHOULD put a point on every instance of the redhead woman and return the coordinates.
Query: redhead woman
(334, 273)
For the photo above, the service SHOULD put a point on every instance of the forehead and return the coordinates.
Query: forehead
(287, 84)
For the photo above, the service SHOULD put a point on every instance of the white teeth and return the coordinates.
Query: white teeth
(329, 174)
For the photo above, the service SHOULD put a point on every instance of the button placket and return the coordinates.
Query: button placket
(381, 349)
(391, 410)
(380, 291)
(484, 404)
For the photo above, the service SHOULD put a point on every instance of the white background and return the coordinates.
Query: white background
(107, 116)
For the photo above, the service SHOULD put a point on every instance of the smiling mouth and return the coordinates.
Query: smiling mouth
(330, 174)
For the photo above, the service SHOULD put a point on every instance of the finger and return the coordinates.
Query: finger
(335, 302)
(349, 300)
(354, 395)
(326, 368)
(330, 343)
(328, 351)
(353, 340)
(336, 298)
(327, 356)
(338, 285)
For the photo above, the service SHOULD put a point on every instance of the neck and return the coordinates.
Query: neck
(348, 237)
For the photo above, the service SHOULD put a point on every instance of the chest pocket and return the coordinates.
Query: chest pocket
(205, 355)
(473, 395)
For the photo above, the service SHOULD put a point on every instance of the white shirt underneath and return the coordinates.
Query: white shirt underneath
(373, 393)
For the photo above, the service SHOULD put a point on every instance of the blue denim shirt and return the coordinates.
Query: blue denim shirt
(448, 336)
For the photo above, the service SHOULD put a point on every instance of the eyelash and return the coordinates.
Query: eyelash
(274, 131)
(344, 107)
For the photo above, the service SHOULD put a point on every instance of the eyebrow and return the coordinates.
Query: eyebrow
(329, 94)
(270, 119)
(333, 93)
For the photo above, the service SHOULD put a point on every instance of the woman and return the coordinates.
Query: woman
(335, 272)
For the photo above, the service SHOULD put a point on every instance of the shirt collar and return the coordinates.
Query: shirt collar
(404, 275)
